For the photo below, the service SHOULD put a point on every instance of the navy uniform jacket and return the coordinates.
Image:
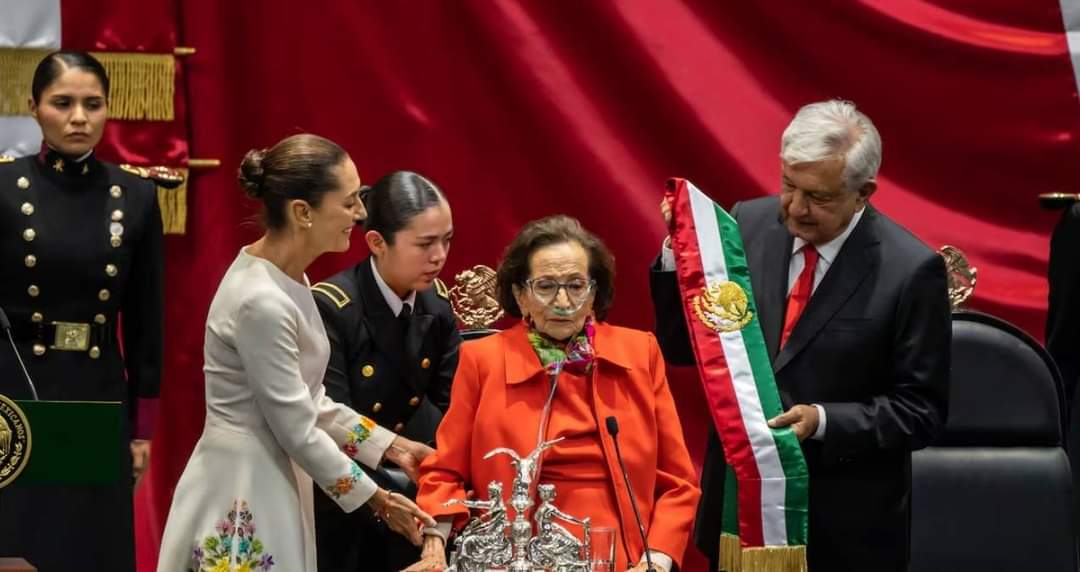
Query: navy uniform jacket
(373, 368)
(80, 245)
(400, 380)
(872, 347)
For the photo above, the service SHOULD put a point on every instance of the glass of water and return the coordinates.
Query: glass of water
(602, 543)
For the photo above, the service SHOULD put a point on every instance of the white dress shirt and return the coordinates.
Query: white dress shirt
(395, 302)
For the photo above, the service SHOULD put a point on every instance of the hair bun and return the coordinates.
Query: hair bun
(251, 175)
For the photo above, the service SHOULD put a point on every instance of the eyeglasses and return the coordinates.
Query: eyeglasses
(547, 289)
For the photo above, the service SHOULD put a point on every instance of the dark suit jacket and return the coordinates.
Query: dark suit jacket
(399, 379)
(872, 348)
(1063, 325)
(1063, 315)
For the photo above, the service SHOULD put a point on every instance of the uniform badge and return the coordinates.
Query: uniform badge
(6, 159)
(14, 441)
(723, 307)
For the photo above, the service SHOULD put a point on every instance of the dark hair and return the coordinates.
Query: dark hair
(297, 168)
(557, 229)
(56, 63)
(395, 199)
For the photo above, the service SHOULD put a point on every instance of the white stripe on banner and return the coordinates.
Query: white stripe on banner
(26, 24)
(1070, 13)
(773, 484)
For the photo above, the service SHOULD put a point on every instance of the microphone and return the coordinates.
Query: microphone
(5, 324)
(613, 430)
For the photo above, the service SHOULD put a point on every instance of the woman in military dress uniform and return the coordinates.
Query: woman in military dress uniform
(394, 347)
(80, 252)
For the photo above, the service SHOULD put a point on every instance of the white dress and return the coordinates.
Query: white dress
(244, 502)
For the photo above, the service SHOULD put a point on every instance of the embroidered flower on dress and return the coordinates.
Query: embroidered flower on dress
(215, 552)
(357, 434)
(344, 485)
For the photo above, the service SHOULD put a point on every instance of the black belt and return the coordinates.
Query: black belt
(64, 336)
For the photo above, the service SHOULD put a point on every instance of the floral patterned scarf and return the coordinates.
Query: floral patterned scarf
(576, 356)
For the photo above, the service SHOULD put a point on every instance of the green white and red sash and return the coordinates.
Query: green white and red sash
(771, 482)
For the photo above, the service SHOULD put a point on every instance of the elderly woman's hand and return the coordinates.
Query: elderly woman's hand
(432, 558)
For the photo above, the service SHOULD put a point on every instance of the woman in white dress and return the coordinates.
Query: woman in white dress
(244, 502)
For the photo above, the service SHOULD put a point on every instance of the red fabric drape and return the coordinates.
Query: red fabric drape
(522, 109)
(132, 26)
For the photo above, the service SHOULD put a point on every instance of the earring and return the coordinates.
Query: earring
(308, 225)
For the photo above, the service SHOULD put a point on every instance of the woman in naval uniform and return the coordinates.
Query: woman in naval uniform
(80, 252)
(394, 348)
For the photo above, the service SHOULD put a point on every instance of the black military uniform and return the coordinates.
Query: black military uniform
(395, 370)
(80, 245)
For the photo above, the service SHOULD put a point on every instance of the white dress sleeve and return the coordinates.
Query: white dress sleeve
(267, 330)
(359, 437)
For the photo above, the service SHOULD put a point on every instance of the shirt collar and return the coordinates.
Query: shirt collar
(829, 250)
(392, 299)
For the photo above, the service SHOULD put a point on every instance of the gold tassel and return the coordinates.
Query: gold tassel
(730, 553)
(774, 559)
(173, 203)
(142, 86)
(16, 74)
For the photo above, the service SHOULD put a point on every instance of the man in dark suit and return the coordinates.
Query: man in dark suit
(856, 319)
(1063, 321)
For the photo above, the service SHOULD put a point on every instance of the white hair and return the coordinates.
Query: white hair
(833, 129)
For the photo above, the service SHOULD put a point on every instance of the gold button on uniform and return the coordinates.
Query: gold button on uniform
(399, 427)
(29, 235)
(95, 352)
(117, 215)
(115, 191)
(104, 294)
(414, 401)
(39, 349)
(33, 290)
(36, 317)
(425, 363)
(377, 407)
(115, 241)
(23, 183)
(27, 209)
(99, 318)
(30, 261)
(368, 370)
(110, 269)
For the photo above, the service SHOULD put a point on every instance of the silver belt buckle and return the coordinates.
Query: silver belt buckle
(71, 337)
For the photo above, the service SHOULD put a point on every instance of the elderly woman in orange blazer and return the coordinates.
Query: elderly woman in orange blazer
(559, 279)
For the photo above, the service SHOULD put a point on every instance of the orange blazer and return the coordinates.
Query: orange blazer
(498, 393)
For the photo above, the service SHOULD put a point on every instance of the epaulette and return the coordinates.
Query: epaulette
(162, 176)
(440, 289)
(6, 159)
(334, 293)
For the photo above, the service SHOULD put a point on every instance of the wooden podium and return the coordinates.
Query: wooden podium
(41, 440)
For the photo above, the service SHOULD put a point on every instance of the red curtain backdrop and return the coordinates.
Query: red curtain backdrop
(523, 109)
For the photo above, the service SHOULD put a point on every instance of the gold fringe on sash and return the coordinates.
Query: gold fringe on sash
(774, 559)
(735, 558)
(142, 86)
(173, 204)
(730, 553)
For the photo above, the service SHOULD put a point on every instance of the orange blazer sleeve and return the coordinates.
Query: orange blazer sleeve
(676, 495)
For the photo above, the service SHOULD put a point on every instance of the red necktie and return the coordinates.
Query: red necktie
(800, 294)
